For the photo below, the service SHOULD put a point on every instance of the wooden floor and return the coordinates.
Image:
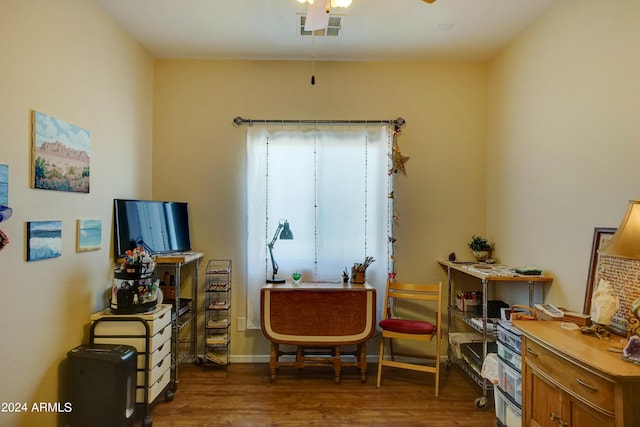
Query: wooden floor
(245, 396)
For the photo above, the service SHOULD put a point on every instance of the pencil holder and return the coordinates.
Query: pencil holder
(357, 276)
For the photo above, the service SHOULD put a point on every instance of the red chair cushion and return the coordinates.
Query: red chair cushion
(406, 326)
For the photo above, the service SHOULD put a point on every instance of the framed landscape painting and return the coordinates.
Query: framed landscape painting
(89, 235)
(44, 240)
(61, 155)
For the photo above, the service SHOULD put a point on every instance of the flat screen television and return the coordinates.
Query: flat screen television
(159, 227)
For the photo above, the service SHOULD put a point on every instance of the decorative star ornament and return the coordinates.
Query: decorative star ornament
(399, 160)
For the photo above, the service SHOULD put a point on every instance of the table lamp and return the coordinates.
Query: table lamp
(284, 231)
(625, 243)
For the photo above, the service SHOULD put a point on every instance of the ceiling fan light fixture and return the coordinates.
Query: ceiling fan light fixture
(340, 3)
(334, 3)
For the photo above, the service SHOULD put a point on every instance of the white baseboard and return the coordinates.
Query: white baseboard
(264, 358)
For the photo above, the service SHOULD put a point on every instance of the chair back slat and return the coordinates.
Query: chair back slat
(413, 291)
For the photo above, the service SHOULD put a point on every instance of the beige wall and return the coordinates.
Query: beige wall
(69, 60)
(199, 155)
(536, 149)
(563, 138)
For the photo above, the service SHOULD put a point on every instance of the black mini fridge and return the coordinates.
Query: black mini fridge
(102, 385)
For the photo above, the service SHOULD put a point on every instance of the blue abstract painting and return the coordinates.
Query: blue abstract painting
(44, 240)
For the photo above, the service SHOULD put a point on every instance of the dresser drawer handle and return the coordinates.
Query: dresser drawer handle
(584, 384)
(531, 352)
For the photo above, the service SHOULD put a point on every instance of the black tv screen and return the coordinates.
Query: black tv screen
(157, 226)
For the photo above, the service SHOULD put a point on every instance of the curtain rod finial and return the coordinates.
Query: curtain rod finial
(238, 121)
(400, 122)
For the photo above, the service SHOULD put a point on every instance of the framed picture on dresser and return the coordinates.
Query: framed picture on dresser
(600, 236)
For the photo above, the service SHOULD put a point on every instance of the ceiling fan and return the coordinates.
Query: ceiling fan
(342, 3)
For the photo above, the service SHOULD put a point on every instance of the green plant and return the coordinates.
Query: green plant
(479, 244)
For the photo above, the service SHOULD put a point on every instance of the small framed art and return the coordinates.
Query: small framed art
(600, 236)
(89, 235)
(44, 240)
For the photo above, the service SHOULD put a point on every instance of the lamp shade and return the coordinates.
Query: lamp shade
(286, 233)
(625, 242)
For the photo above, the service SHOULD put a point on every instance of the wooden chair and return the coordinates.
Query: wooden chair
(412, 329)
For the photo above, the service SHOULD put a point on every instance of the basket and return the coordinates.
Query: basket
(467, 304)
(522, 315)
(168, 292)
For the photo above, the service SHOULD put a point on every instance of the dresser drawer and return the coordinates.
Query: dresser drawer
(154, 390)
(156, 321)
(572, 378)
(155, 357)
(155, 372)
(139, 343)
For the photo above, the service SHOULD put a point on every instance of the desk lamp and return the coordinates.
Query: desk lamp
(285, 234)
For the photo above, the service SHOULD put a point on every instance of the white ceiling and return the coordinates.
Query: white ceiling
(372, 30)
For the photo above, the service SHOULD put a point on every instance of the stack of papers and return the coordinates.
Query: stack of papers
(220, 359)
(217, 339)
(218, 323)
(218, 305)
(477, 322)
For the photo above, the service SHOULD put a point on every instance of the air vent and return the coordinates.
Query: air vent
(332, 30)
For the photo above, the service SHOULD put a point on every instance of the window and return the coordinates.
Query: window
(333, 187)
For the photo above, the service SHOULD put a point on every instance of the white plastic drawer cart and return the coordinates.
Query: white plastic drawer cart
(150, 333)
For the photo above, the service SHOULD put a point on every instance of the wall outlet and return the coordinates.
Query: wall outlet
(242, 324)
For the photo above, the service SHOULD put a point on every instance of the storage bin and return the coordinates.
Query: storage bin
(468, 304)
(509, 337)
(510, 381)
(507, 412)
(511, 357)
(457, 338)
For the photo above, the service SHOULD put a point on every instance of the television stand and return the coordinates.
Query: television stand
(184, 299)
(178, 257)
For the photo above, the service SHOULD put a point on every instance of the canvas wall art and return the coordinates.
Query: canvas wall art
(89, 235)
(61, 155)
(4, 185)
(5, 210)
(44, 240)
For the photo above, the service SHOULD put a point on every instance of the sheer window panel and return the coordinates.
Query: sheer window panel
(332, 186)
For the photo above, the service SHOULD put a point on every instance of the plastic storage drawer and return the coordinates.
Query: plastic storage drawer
(511, 357)
(510, 381)
(509, 337)
(507, 413)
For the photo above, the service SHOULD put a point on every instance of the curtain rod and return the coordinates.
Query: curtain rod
(239, 121)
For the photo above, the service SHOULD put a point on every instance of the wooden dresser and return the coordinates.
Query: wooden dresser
(574, 380)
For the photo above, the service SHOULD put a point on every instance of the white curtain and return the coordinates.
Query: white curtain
(333, 187)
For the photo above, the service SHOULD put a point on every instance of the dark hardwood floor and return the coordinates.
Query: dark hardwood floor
(243, 395)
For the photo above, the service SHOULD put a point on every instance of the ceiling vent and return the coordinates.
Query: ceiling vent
(333, 28)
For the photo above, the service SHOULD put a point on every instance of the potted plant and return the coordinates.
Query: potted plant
(480, 247)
